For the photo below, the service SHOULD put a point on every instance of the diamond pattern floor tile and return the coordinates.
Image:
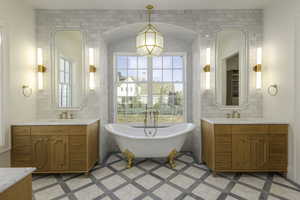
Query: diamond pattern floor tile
(285, 192)
(167, 192)
(163, 172)
(253, 181)
(113, 182)
(195, 172)
(152, 179)
(43, 182)
(102, 172)
(148, 165)
(182, 181)
(245, 192)
(132, 172)
(148, 181)
(49, 193)
(128, 192)
(206, 192)
(88, 193)
(217, 181)
(78, 182)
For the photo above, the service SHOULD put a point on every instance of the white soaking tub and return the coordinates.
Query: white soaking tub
(134, 140)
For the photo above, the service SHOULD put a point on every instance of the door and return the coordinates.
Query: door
(40, 152)
(241, 152)
(59, 153)
(259, 152)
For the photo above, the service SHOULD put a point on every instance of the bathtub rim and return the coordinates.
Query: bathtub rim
(117, 133)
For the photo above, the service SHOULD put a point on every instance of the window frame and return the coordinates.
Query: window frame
(150, 82)
(69, 83)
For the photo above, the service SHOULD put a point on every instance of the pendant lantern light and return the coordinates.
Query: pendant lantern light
(149, 42)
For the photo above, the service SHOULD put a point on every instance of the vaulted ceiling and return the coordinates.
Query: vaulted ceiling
(140, 4)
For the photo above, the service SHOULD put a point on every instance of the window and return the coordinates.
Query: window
(65, 85)
(154, 81)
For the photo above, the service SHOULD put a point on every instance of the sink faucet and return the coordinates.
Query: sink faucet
(66, 115)
(152, 115)
(235, 114)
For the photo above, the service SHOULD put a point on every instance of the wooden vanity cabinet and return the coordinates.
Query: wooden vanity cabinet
(55, 149)
(245, 148)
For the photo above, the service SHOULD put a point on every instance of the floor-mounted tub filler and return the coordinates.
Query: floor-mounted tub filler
(136, 142)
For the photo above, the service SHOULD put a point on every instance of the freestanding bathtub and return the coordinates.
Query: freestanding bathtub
(133, 142)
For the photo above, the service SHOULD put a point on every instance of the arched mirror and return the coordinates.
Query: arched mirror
(69, 74)
(231, 69)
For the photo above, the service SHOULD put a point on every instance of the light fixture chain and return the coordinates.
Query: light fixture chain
(149, 7)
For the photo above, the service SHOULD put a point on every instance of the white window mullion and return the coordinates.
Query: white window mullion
(150, 81)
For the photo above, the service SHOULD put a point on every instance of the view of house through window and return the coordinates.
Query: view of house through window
(154, 81)
(65, 85)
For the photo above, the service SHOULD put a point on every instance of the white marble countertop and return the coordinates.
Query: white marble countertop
(243, 121)
(10, 176)
(55, 122)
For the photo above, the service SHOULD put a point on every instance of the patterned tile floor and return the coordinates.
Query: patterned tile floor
(152, 179)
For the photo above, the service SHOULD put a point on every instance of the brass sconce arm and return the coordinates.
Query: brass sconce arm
(257, 68)
(93, 68)
(41, 68)
(206, 68)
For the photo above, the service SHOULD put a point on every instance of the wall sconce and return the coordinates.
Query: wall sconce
(206, 69)
(41, 68)
(92, 69)
(257, 68)
(26, 90)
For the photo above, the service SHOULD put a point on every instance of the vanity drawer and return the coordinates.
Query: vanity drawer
(223, 144)
(78, 161)
(223, 139)
(21, 141)
(278, 129)
(223, 161)
(49, 130)
(77, 144)
(222, 129)
(21, 130)
(250, 129)
(77, 130)
(224, 148)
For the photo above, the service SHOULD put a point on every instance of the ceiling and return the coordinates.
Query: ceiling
(140, 4)
(127, 31)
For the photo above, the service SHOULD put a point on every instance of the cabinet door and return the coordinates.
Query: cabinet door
(278, 151)
(21, 151)
(40, 152)
(21, 147)
(59, 153)
(259, 152)
(241, 152)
